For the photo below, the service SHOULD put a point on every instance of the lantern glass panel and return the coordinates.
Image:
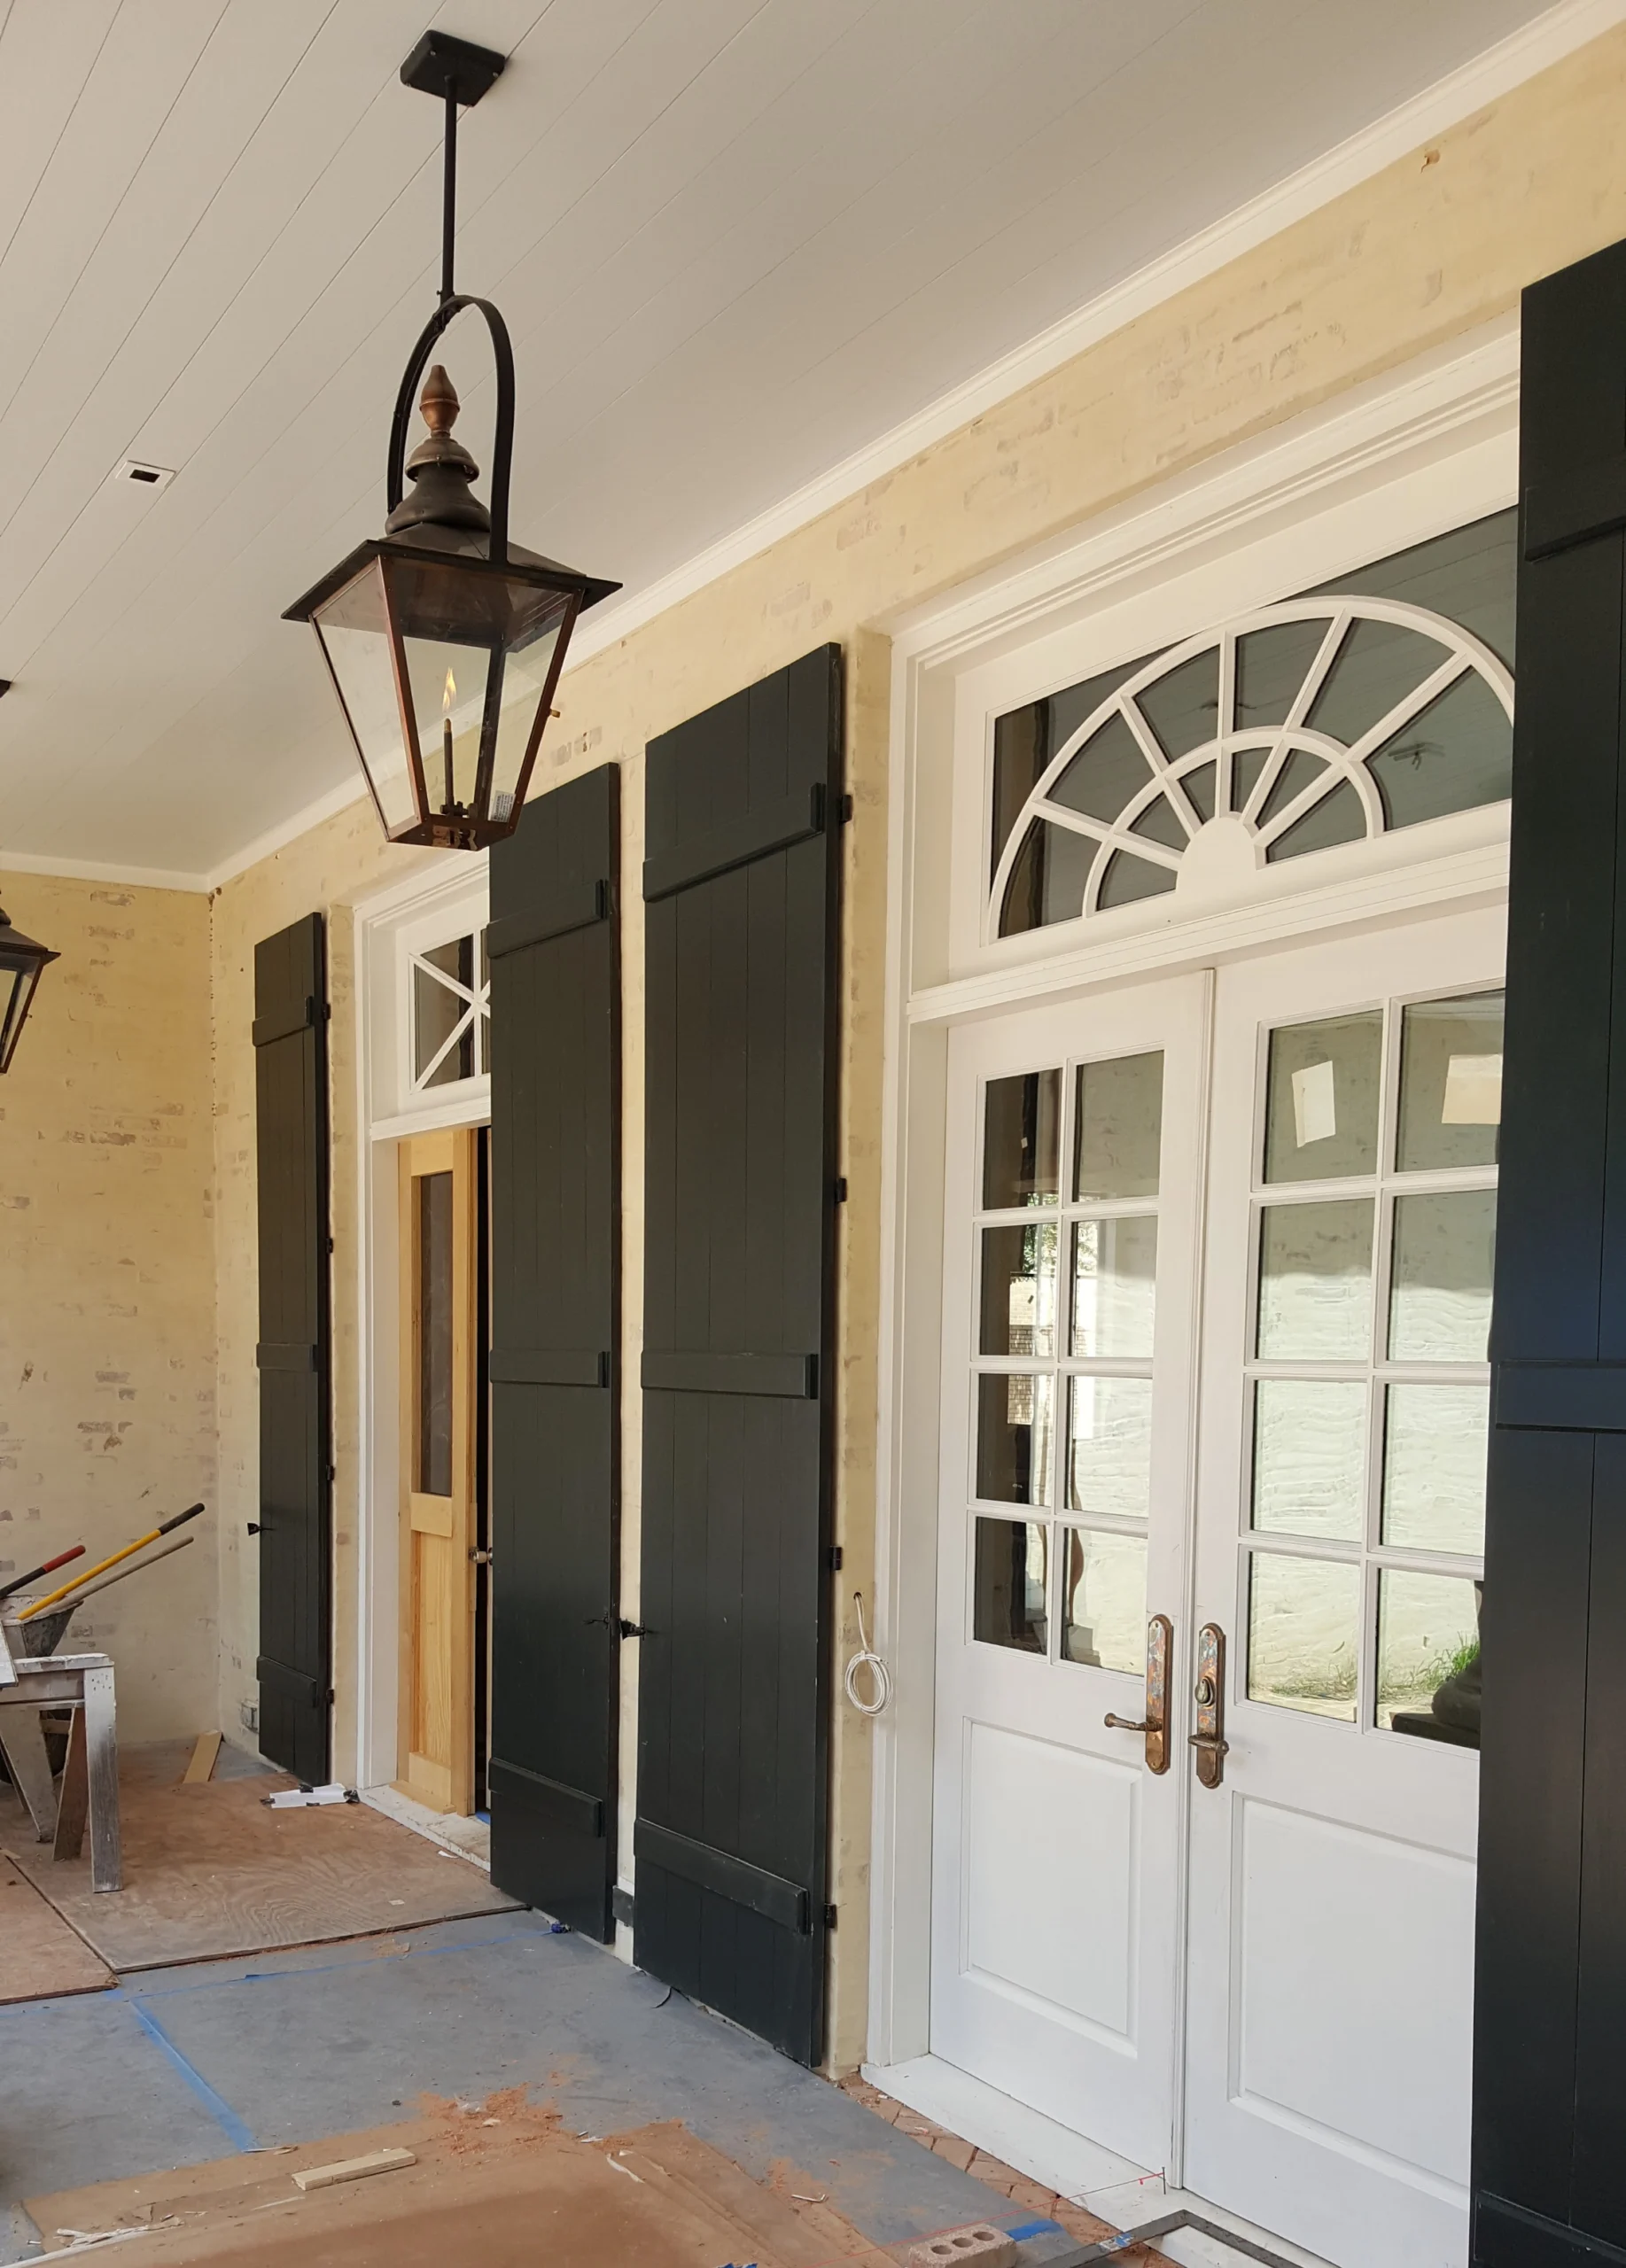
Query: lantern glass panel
(17, 988)
(448, 682)
(356, 637)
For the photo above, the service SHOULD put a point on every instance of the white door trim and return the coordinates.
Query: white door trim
(458, 893)
(1409, 455)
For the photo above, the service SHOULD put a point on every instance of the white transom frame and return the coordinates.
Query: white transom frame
(1464, 654)
(477, 1003)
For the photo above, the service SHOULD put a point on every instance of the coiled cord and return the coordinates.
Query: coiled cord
(867, 1659)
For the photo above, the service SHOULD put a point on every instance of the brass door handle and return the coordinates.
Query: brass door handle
(1209, 1739)
(1154, 1724)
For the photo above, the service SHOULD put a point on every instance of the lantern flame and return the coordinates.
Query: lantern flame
(449, 695)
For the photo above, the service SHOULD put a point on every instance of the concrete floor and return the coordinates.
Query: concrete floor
(178, 2066)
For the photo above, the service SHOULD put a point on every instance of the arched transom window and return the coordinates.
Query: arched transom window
(1338, 715)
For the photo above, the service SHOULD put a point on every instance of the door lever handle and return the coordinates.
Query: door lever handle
(1154, 1724)
(1209, 1739)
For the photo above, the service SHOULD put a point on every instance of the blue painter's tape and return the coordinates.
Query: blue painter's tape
(1036, 2228)
(224, 2117)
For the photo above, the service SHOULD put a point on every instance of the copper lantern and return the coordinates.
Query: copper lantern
(445, 641)
(20, 963)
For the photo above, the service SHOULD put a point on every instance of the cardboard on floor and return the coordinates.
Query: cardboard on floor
(209, 1872)
(500, 2184)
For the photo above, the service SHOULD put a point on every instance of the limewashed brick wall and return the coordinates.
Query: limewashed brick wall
(108, 1341)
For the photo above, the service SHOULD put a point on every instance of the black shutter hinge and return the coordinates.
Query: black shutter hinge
(843, 810)
(253, 1528)
(832, 1559)
(332, 1473)
(634, 1629)
(622, 1906)
(829, 1917)
(841, 1189)
(329, 1244)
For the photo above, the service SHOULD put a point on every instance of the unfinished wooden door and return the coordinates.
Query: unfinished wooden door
(440, 1214)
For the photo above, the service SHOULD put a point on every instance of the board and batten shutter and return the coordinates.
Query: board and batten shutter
(293, 1354)
(556, 1116)
(742, 886)
(1550, 2080)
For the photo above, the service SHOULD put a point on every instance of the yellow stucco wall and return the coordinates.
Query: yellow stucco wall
(107, 1344)
(1431, 248)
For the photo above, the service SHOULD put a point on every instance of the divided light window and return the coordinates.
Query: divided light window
(1375, 702)
(451, 1013)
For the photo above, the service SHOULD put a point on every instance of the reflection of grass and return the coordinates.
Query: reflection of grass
(1452, 1664)
(1334, 1683)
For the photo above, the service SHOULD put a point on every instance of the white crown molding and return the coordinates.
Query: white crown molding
(97, 870)
(1522, 56)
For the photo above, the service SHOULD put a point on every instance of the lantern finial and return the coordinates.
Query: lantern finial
(439, 470)
(438, 402)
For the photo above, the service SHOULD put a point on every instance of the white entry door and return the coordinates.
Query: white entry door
(1340, 1532)
(1074, 1167)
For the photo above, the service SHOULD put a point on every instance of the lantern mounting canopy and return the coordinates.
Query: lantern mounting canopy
(452, 69)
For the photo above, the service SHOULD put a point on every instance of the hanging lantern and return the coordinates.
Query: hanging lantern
(20, 963)
(445, 641)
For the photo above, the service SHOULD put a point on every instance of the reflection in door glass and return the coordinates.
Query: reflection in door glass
(1434, 1441)
(1315, 1281)
(1439, 1308)
(1303, 1633)
(1321, 1105)
(1309, 1456)
(1103, 1600)
(1110, 1446)
(1015, 1422)
(1427, 1633)
(1119, 1128)
(1021, 1141)
(1019, 1288)
(434, 1429)
(1115, 1285)
(1011, 1584)
(1451, 1083)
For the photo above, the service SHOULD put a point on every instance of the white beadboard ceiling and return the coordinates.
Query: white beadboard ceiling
(735, 241)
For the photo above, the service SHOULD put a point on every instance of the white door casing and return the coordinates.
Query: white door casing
(1057, 1916)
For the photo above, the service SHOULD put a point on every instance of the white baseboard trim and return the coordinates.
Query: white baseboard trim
(463, 1838)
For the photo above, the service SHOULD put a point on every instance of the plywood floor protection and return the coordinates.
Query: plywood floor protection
(210, 1872)
(41, 1957)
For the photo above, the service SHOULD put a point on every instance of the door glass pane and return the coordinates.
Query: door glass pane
(1109, 1447)
(1321, 1106)
(1315, 1281)
(1120, 1119)
(1303, 1631)
(1010, 1584)
(1451, 1082)
(1103, 1600)
(1022, 1140)
(1439, 1305)
(1019, 1285)
(1309, 1451)
(1427, 1632)
(1115, 1285)
(1434, 1467)
(433, 1477)
(1015, 1421)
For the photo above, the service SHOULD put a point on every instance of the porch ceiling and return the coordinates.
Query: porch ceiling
(737, 241)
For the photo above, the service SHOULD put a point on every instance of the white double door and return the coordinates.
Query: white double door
(1217, 1290)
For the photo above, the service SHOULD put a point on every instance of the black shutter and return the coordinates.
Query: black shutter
(296, 1479)
(1549, 2082)
(742, 888)
(555, 1117)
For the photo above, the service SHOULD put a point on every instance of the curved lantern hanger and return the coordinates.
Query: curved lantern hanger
(444, 578)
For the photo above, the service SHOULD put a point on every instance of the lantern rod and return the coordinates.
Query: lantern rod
(448, 212)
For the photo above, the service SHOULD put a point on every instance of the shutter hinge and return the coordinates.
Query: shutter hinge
(621, 1906)
(829, 1917)
(843, 810)
(332, 1473)
(329, 1244)
(841, 1189)
(832, 1559)
(333, 1696)
(634, 1629)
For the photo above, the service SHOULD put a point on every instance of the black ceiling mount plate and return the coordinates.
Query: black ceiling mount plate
(440, 65)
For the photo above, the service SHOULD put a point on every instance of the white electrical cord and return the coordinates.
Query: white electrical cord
(867, 1658)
